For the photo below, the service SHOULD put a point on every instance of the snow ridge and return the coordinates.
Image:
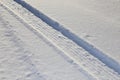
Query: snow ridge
(88, 62)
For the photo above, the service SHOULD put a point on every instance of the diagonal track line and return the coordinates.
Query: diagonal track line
(88, 47)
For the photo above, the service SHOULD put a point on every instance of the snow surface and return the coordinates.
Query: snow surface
(96, 21)
(33, 47)
(25, 56)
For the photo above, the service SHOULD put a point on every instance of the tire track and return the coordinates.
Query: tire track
(79, 41)
(88, 62)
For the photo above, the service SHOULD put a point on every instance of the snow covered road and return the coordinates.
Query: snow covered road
(32, 50)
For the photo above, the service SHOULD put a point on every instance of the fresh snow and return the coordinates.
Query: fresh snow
(34, 47)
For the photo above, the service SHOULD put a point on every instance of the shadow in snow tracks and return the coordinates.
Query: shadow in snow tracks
(88, 47)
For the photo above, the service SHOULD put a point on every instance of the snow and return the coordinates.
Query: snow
(34, 47)
(95, 21)
(23, 55)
